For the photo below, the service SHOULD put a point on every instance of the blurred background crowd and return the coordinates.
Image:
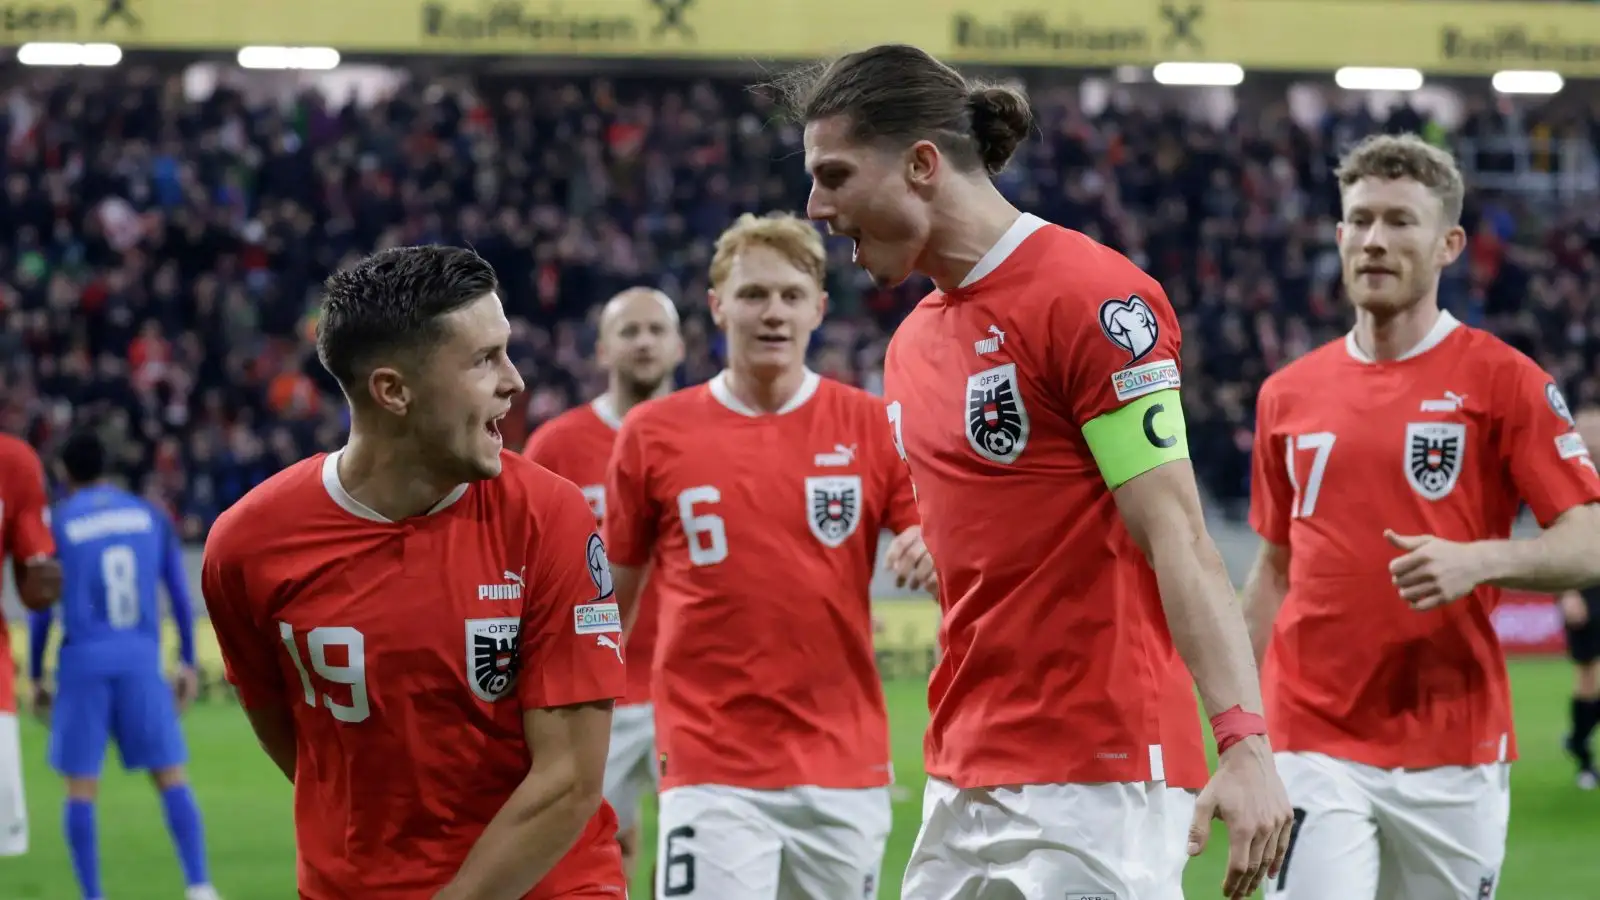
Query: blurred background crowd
(161, 249)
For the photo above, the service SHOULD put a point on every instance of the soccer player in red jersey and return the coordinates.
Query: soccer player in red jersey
(25, 537)
(758, 499)
(421, 625)
(1389, 468)
(1581, 611)
(639, 347)
(1035, 396)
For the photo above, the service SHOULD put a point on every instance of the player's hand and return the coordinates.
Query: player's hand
(1248, 796)
(42, 701)
(1433, 571)
(910, 562)
(1574, 610)
(186, 687)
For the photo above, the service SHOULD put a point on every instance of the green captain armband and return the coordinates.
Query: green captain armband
(1134, 439)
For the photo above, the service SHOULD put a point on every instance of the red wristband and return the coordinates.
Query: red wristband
(1233, 725)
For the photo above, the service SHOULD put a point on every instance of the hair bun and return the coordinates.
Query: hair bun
(1001, 119)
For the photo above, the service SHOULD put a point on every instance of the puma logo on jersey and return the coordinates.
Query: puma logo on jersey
(511, 590)
(838, 457)
(1452, 402)
(604, 641)
(990, 344)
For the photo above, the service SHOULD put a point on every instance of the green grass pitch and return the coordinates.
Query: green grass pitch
(1555, 830)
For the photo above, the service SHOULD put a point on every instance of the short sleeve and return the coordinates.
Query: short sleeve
(1271, 493)
(631, 512)
(902, 507)
(1542, 449)
(27, 516)
(572, 629)
(1118, 361)
(249, 651)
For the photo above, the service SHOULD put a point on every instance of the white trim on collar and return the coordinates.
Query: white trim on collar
(1025, 225)
(606, 410)
(1435, 336)
(335, 489)
(724, 394)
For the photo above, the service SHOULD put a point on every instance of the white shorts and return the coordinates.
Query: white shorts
(1073, 841)
(1363, 833)
(799, 843)
(13, 809)
(631, 763)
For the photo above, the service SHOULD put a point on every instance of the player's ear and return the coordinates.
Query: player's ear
(922, 163)
(388, 390)
(1455, 241)
(714, 303)
(675, 347)
(822, 310)
(602, 351)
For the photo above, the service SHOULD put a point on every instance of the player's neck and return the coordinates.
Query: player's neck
(620, 399)
(385, 477)
(1389, 337)
(764, 393)
(972, 217)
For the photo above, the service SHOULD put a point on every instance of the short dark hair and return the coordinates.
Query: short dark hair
(391, 302)
(83, 456)
(898, 93)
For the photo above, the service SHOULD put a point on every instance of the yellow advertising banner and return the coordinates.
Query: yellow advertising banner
(1437, 36)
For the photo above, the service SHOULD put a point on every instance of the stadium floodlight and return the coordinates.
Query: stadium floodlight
(1365, 78)
(1198, 74)
(1515, 81)
(313, 58)
(55, 54)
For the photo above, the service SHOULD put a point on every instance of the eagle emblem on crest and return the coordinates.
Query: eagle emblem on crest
(1434, 452)
(997, 419)
(833, 507)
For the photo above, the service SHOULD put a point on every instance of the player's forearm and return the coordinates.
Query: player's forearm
(1564, 557)
(38, 582)
(530, 834)
(627, 583)
(1204, 618)
(1264, 593)
(274, 729)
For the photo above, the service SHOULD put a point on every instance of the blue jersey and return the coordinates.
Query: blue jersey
(116, 551)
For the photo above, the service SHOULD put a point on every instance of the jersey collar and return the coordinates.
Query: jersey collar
(1020, 230)
(1435, 336)
(606, 411)
(335, 489)
(724, 394)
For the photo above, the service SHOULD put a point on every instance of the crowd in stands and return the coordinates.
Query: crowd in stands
(162, 258)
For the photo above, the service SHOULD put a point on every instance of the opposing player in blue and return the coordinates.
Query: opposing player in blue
(115, 549)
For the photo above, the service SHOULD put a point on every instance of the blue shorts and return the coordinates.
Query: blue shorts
(137, 708)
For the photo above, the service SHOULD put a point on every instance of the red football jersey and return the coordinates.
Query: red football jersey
(764, 530)
(24, 535)
(577, 445)
(1449, 440)
(408, 652)
(1058, 666)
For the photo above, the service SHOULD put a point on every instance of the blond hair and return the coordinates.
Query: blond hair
(795, 239)
(1394, 156)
